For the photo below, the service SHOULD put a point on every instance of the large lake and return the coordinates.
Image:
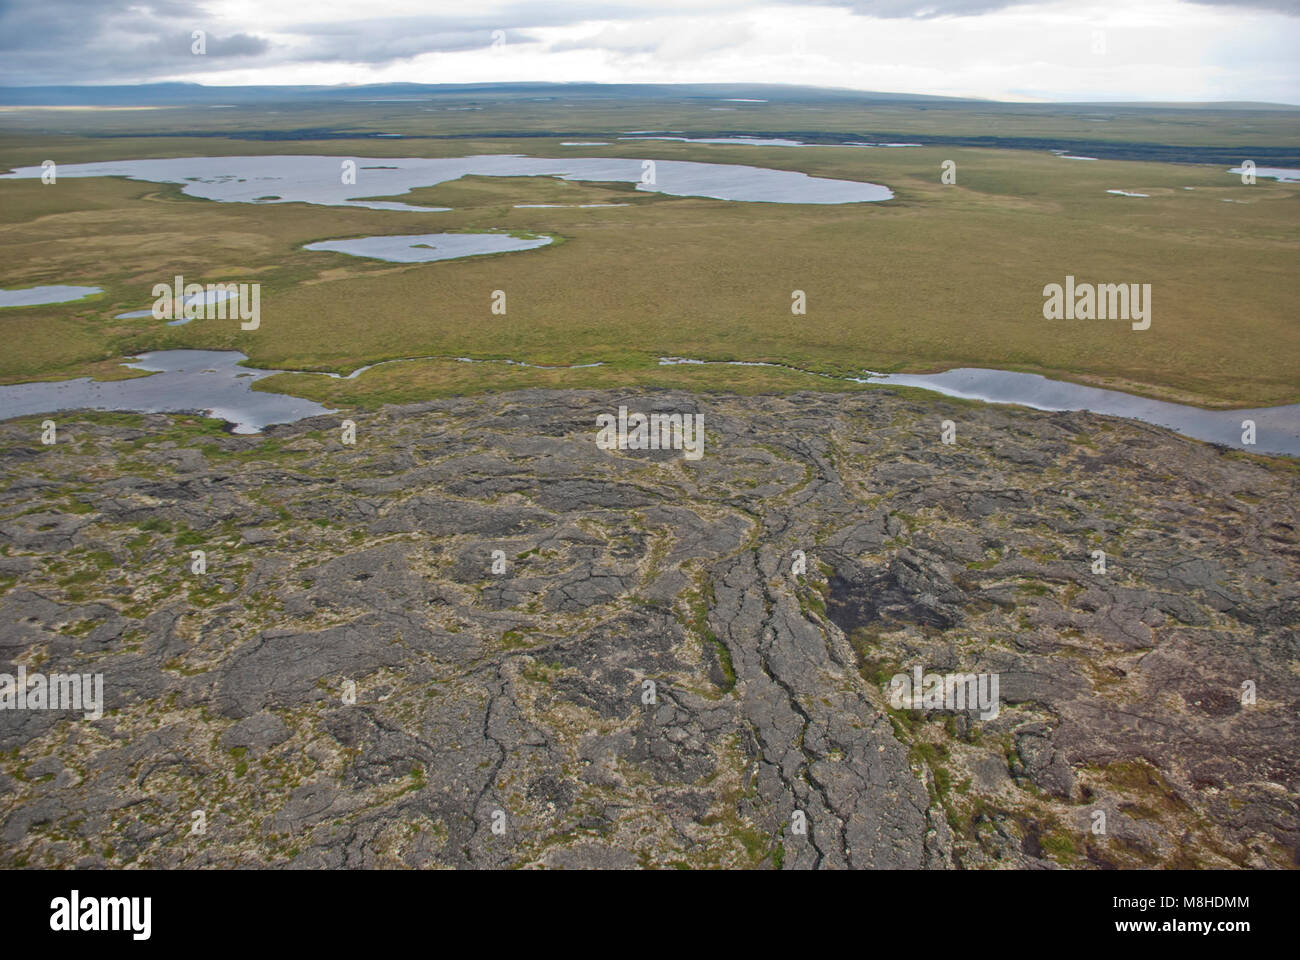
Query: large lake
(314, 179)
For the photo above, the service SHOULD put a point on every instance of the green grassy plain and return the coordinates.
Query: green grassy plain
(496, 114)
(940, 276)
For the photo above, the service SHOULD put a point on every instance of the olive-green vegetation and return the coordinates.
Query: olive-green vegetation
(490, 114)
(940, 276)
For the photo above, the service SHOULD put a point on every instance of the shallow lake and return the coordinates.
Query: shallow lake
(315, 179)
(34, 296)
(207, 297)
(1277, 429)
(1280, 174)
(205, 381)
(428, 247)
(770, 142)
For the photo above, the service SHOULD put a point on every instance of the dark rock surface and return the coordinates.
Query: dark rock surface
(350, 684)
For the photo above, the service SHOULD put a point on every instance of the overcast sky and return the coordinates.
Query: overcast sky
(1103, 50)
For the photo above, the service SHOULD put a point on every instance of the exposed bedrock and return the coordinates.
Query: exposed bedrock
(476, 639)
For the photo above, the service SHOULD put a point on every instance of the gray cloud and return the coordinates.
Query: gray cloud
(1290, 7)
(391, 39)
(928, 9)
(80, 41)
(919, 9)
(60, 41)
(667, 41)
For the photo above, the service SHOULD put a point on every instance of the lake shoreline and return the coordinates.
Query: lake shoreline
(1277, 429)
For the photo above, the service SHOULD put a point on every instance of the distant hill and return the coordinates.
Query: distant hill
(180, 94)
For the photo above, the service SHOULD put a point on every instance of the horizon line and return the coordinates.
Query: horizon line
(1027, 101)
